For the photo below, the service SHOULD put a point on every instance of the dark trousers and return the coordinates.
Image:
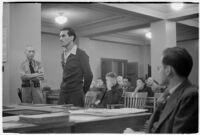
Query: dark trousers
(75, 98)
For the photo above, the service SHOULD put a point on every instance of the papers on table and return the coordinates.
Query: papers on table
(45, 118)
(34, 105)
(108, 112)
(12, 124)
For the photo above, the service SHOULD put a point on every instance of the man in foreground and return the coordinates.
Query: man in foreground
(177, 110)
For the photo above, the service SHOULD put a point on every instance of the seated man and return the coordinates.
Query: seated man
(98, 88)
(113, 93)
(141, 87)
(120, 80)
(154, 85)
(127, 85)
(100, 85)
(177, 110)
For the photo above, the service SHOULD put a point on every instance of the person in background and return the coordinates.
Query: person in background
(126, 88)
(113, 93)
(92, 85)
(149, 81)
(127, 85)
(154, 85)
(120, 80)
(31, 73)
(99, 88)
(141, 87)
(100, 84)
(77, 75)
(177, 110)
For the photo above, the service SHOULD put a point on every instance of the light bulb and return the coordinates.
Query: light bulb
(177, 6)
(148, 35)
(61, 19)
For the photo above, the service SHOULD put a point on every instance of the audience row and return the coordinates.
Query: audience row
(112, 91)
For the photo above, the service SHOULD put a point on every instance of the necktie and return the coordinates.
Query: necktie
(31, 67)
(164, 97)
(161, 102)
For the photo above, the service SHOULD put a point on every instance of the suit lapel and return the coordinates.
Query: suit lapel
(172, 102)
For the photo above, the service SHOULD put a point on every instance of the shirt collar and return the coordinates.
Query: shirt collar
(174, 88)
(72, 51)
(32, 61)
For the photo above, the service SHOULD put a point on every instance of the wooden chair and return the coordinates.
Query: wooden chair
(135, 100)
(52, 96)
(90, 99)
(156, 96)
(150, 104)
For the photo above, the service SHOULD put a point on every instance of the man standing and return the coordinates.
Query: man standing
(77, 75)
(31, 73)
(177, 110)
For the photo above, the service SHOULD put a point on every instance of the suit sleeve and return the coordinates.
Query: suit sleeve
(87, 73)
(186, 119)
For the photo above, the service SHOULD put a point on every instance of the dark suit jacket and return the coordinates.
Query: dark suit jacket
(180, 114)
(148, 90)
(112, 96)
(76, 70)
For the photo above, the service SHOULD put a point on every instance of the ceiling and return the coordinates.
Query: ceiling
(118, 22)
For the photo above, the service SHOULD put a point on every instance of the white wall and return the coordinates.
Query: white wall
(24, 29)
(6, 81)
(192, 47)
(51, 55)
(99, 49)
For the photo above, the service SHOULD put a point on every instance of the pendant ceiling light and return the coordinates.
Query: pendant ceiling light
(177, 6)
(61, 19)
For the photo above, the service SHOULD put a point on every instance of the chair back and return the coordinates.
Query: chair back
(156, 96)
(90, 98)
(135, 100)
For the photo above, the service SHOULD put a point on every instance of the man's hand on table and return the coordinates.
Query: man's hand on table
(129, 130)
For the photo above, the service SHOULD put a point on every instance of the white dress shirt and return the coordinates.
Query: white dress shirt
(67, 53)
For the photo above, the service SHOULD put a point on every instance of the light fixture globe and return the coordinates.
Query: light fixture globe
(148, 35)
(61, 19)
(177, 6)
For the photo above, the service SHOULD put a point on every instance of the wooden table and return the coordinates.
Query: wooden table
(12, 125)
(114, 124)
(78, 123)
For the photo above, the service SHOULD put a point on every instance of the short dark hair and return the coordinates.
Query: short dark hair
(99, 78)
(141, 80)
(71, 32)
(111, 74)
(179, 59)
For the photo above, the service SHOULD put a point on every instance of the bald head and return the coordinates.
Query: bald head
(30, 52)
